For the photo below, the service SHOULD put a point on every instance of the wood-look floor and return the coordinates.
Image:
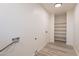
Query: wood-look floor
(57, 49)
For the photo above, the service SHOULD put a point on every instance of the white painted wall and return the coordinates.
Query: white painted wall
(70, 27)
(51, 29)
(26, 21)
(76, 40)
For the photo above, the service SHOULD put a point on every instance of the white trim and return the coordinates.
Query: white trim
(76, 51)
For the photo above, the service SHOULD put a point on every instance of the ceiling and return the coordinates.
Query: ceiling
(49, 7)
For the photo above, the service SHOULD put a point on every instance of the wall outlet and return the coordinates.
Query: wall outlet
(16, 39)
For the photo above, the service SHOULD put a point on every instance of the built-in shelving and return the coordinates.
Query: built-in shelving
(60, 28)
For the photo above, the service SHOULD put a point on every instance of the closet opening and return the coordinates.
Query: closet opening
(60, 28)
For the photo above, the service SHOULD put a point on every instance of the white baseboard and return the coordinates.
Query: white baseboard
(77, 52)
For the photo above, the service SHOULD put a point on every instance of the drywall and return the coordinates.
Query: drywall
(76, 40)
(51, 28)
(27, 21)
(70, 27)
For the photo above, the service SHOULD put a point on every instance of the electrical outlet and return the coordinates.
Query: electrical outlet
(16, 39)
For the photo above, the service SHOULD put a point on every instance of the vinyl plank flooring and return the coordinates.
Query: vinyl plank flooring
(57, 49)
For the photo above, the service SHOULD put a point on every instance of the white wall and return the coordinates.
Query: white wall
(76, 40)
(26, 21)
(51, 29)
(70, 27)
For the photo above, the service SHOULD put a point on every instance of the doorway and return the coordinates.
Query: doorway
(60, 28)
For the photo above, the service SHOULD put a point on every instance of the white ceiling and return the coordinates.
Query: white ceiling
(49, 7)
